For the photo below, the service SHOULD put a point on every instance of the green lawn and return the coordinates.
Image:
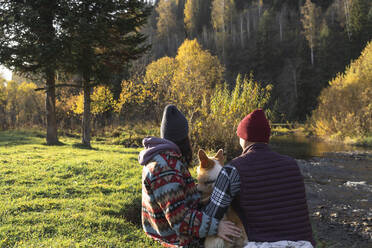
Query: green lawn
(68, 196)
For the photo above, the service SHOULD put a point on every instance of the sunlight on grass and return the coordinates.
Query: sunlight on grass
(64, 196)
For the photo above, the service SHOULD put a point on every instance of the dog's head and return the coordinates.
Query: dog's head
(207, 172)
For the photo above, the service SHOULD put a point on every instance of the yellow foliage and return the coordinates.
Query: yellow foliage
(2, 92)
(21, 104)
(101, 101)
(167, 19)
(133, 92)
(159, 77)
(221, 115)
(197, 73)
(65, 102)
(186, 80)
(190, 13)
(78, 106)
(345, 107)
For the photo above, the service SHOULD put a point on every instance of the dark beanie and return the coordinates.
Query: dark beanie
(174, 126)
(254, 127)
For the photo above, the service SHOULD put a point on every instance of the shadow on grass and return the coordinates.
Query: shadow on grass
(127, 152)
(130, 212)
(86, 147)
(15, 138)
(59, 143)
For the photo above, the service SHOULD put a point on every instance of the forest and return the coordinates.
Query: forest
(297, 46)
(206, 56)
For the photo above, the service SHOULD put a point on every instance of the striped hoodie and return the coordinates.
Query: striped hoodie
(170, 198)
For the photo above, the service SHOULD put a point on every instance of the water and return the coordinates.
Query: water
(302, 147)
(338, 181)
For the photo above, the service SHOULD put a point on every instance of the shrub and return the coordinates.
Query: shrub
(217, 122)
(345, 107)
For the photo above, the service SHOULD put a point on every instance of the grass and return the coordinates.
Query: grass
(65, 196)
(361, 141)
(70, 196)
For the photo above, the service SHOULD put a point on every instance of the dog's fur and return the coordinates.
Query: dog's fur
(207, 173)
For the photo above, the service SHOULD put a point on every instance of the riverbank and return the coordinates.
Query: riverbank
(339, 192)
(305, 130)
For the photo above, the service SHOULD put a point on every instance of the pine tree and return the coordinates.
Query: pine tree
(103, 38)
(31, 42)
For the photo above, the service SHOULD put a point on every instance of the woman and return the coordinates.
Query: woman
(169, 196)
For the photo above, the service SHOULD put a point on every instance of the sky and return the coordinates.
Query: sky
(5, 73)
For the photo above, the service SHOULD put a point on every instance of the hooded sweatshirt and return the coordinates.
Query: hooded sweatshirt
(170, 198)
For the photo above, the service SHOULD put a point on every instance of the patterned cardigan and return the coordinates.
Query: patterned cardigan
(169, 203)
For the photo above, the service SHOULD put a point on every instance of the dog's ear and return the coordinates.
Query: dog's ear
(202, 155)
(203, 158)
(219, 156)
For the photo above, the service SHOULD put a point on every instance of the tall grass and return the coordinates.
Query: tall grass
(66, 196)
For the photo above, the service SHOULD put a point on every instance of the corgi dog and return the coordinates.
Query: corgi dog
(207, 173)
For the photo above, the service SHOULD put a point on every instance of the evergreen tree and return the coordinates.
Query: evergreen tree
(102, 37)
(361, 21)
(31, 42)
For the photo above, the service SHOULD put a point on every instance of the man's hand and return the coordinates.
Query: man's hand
(227, 228)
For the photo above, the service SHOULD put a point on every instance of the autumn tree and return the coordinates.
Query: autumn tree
(159, 78)
(167, 23)
(102, 101)
(3, 99)
(20, 105)
(345, 109)
(222, 19)
(103, 38)
(197, 73)
(30, 42)
(186, 80)
(191, 13)
(310, 23)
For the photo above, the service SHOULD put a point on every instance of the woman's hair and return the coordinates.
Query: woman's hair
(186, 150)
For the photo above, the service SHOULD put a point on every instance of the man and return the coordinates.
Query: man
(169, 194)
(265, 188)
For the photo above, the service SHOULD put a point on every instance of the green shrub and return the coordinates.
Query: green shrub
(218, 119)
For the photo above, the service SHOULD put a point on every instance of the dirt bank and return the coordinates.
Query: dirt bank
(339, 191)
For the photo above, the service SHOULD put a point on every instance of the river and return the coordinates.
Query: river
(338, 181)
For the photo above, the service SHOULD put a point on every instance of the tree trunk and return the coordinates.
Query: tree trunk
(259, 8)
(50, 107)
(248, 25)
(347, 18)
(312, 55)
(241, 30)
(295, 82)
(281, 26)
(86, 127)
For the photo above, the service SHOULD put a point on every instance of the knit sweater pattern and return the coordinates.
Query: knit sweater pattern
(169, 203)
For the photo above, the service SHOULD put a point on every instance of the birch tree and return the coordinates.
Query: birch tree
(310, 23)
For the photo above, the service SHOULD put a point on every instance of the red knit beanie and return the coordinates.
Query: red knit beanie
(254, 127)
